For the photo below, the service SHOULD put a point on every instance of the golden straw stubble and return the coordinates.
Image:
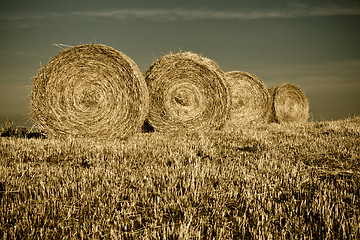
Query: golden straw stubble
(250, 99)
(289, 104)
(187, 92)
(90, 90)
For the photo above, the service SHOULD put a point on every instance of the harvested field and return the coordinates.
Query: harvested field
(289, 181)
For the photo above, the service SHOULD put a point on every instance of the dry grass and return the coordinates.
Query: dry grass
(187, 92)
(249, 99)
(289, 104)
(292, 181)
(90, 90)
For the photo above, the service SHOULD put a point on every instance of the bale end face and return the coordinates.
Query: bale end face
(249, 99)
(90, 91)
(187, 92)
(289, 104)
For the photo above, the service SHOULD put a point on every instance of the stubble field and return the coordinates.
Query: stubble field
(262, 182)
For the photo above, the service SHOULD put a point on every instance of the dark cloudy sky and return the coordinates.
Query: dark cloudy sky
(314, 43)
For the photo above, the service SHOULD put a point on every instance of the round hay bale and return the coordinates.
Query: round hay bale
(249, 99)
(187, 92)
(90, 90)
(289, 104)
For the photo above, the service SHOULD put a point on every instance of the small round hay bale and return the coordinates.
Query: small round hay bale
(187, 92)
(249, 99)
(289, 104)
(90, 90)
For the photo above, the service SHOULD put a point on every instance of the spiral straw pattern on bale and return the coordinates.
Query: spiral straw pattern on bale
(249, 99)
(90, 90)
(187, 92)
(289, 104)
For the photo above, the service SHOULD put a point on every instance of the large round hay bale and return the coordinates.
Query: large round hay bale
(90, 90)
(187, 92)
(289, 104)
(249, 99)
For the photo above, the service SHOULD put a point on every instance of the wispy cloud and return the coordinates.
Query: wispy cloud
(181, 14)
(26, 20)
(30, 54)
(23, 20)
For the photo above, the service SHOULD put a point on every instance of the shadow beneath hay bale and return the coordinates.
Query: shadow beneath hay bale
(146, 127)
(9, 130)
(40, 135)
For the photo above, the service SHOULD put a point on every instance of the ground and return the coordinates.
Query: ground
(256, 182)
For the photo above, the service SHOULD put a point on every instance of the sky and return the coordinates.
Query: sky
(312, 43)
